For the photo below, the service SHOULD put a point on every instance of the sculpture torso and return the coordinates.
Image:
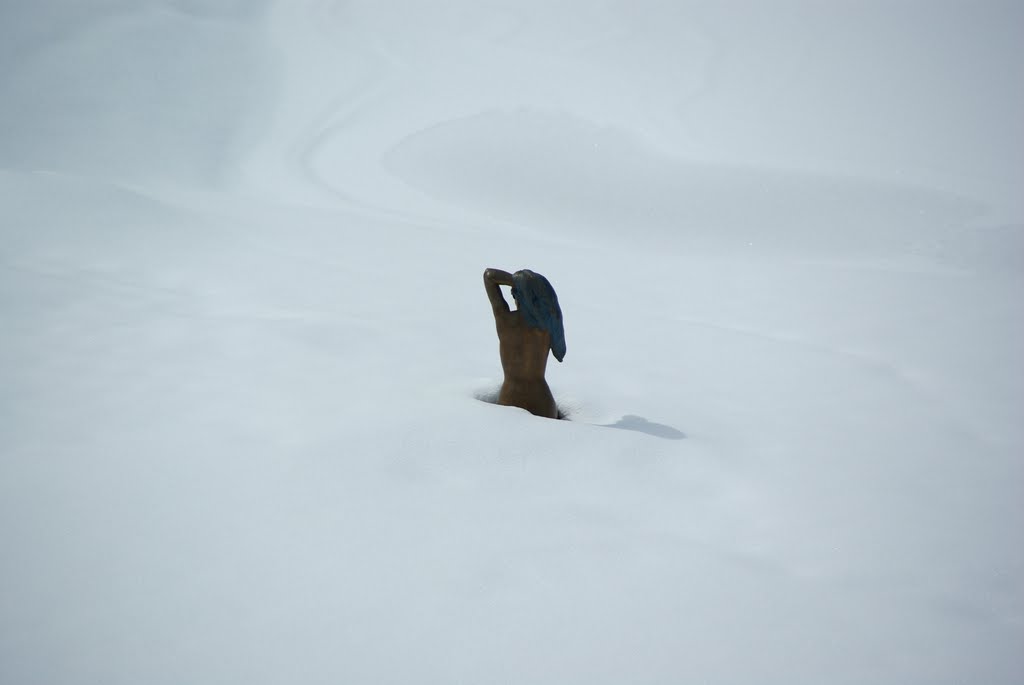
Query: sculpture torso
(524, 358)
(523, 348)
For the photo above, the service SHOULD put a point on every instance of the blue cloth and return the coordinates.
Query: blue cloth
(538, 303)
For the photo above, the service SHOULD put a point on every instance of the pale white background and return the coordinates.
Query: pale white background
(244, 338)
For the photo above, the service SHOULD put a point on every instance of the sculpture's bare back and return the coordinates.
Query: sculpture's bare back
(523, 349)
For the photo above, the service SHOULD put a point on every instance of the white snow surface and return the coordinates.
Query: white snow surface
(246, 350)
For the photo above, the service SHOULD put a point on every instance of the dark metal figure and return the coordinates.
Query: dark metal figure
(525, 336)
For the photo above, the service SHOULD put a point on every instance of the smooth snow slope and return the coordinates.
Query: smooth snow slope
(245, 341)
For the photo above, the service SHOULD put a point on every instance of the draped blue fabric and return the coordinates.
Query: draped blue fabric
(538, 303)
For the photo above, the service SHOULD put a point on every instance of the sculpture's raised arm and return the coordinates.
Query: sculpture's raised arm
(492, 279)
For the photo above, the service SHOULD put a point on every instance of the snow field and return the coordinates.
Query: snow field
(245, 339)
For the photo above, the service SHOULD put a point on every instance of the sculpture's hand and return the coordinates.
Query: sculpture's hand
(498, 276)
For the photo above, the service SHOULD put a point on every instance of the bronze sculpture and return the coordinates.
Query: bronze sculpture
(524, 338)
